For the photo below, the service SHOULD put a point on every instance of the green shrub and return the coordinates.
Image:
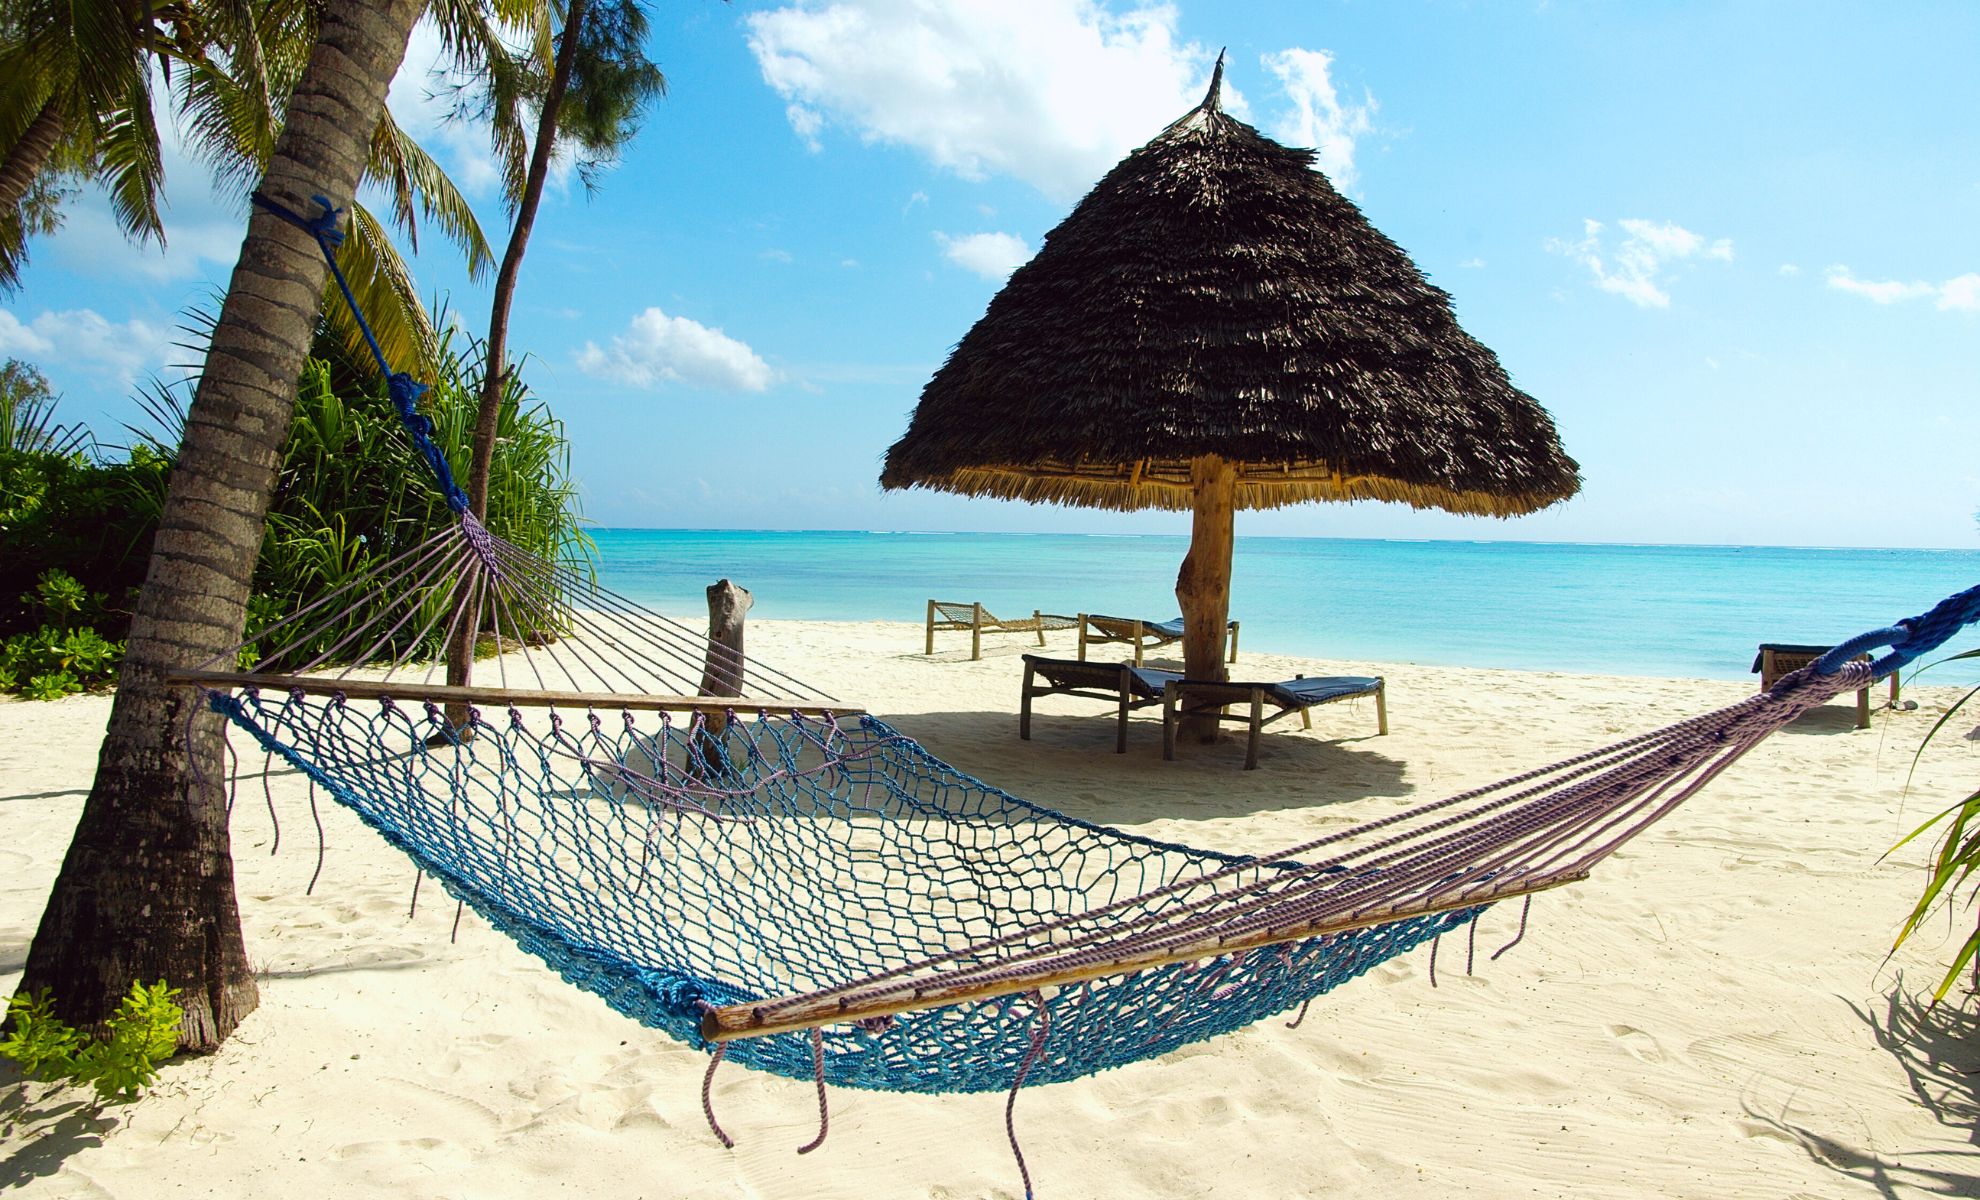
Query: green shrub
(64, 654)
(1955, 860)
(350, 493)
(143, 1032)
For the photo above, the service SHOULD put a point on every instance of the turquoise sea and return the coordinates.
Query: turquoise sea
(1691, 611)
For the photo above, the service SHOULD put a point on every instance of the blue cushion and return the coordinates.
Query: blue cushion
(1303, 693)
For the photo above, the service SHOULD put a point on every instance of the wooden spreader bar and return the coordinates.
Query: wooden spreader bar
(733, 1021)
(373, 689)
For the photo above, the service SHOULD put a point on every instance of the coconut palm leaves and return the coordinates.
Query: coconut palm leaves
(75, 94)
(76, 97)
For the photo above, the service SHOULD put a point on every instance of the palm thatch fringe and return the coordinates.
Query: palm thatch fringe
(1167, 486)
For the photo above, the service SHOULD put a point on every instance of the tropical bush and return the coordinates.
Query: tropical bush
(1955, 859)
(351, 492)
(143, 1032)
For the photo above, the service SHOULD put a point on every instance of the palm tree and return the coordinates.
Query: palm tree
(598, 84)
(76, 101)
(146, 890)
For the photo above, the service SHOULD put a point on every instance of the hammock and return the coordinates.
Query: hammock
(795, 885)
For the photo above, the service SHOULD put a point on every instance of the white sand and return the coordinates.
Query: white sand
(1710, 1015)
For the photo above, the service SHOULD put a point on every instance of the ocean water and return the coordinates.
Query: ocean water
(1673, 611)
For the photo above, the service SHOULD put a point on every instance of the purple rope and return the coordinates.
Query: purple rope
(1041, 1029)
(1524, 909)
(318, 818)
(818, 1074)
(268, 794)
(1297, 1021)
(708, 1098)
(1434, 943)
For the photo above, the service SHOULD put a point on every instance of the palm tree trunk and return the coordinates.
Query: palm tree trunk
(147, 889)
(29, 155)
(495, 369)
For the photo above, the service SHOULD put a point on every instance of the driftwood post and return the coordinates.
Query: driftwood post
(722, 672)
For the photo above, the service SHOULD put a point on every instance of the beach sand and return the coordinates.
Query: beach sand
(1711, 1015)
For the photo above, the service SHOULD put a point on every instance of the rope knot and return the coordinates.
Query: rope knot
(405, 392)
(323, 226)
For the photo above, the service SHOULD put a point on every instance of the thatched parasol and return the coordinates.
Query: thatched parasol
(1215, 327)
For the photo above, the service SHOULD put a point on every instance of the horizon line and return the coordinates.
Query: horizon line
(1290, 537)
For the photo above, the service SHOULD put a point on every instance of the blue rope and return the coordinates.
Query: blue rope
(1909, 639)
(403, 389)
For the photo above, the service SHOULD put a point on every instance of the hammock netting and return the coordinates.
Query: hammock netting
(798, 881)
(821, 851)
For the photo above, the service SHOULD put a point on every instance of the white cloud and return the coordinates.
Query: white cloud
(1053, 94)
(658, 349)
(776, 255)
(1475, 264)
(1638, 269)
(1790, 270)
(84, 341)
(1318, 118)
(991, 255)
(1961, 293)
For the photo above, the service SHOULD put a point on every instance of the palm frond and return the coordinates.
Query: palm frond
(385, 292)
(132, 165)
(409, 173)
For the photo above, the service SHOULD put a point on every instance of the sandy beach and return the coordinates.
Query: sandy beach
(1711, 1015)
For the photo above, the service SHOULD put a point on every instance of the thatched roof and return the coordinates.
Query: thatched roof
(1214, 294)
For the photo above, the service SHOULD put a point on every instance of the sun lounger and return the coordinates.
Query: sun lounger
(1778, 658)
(1128, 686)
(1096, 630)
(945, 614)
(1184, 697)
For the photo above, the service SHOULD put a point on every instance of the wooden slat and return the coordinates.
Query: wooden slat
(504, 697)
(734, 1021)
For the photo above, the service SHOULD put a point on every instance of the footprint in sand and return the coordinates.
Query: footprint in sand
(391, 1149)
(1640, 1045)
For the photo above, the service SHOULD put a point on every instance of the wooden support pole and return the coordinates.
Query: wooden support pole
(836, 1007)
(1204, 583)
(722, 672)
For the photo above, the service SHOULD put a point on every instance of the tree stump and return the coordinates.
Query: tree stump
(723, 670)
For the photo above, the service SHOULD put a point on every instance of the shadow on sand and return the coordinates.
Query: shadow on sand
(1938, 1048)
(1828, 719)
(1070, 765)
(42, 1126)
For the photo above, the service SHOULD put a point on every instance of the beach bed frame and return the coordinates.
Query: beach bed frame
(957, 615)
(1779, 658)
(1299, 694)
(1096, 630)
(1128, 686)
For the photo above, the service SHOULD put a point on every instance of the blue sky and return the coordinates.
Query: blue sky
(1734, 248)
